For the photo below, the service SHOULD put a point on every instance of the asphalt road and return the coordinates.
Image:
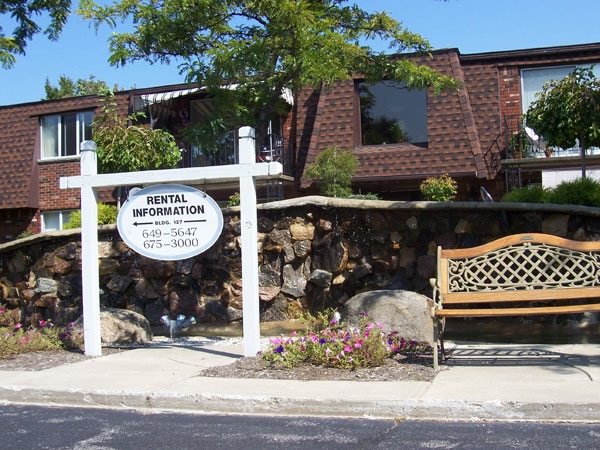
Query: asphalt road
(33, 427)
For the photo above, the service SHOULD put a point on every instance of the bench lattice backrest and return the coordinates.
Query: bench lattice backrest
(519, 267)
(527, 265)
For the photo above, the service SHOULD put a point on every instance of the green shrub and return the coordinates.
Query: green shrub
(234, 200)
(367, 196)
(582, 191)
(333, 169)
(107, 214)
(25, 234)
(529, 194)
(439, 189)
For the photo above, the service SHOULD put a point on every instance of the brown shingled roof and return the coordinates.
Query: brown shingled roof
(454, 144)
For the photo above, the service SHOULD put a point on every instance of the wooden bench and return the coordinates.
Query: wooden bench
(518, 275)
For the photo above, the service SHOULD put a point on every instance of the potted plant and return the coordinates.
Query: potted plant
(517, 144)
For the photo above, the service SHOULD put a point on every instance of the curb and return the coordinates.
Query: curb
(202, 403)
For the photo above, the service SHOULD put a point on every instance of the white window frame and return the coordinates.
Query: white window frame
(52, 133)
(62, 215)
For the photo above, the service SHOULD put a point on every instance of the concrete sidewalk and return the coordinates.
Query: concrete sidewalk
(479, 382)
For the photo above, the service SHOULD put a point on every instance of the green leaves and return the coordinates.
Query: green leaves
(568, 110)
(333, 168)
(124, 148)
(439, 189)
(69, 88)
(263, 47)
(23, 12)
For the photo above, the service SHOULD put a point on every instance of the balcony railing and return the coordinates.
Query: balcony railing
(523, 142)
(269, 148)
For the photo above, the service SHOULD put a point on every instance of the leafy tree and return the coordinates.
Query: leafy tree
(263, 48)
(568, 111)
(122, 147)
(69, 88)
(22, 13)
(333, 169)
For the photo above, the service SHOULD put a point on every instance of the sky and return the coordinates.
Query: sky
(471, 26)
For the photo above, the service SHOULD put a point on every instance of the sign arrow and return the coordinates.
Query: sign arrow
(190, 221)
(142, 223)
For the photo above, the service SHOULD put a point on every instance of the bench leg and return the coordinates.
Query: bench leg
(441, 327)
(438, 342)
(435, 343)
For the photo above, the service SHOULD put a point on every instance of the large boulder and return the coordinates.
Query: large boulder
(122, 327)
(406, 312)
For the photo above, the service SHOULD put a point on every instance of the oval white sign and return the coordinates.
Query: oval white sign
(170, 222)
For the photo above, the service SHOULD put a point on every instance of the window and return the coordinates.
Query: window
(62, 134)
(55, 220)
(532, 83)
(391, 113)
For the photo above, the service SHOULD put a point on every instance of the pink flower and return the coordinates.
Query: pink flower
(18, 325)
(42, 323)
(348, 349)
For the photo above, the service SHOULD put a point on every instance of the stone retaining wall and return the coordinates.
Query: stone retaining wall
(314, 253)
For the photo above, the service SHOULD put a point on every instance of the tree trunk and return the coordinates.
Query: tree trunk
(583, 151)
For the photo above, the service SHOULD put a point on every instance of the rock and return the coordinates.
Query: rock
(320, 278)
(426, 266)
(302, 248)
(406, 312)
(302, 231)
(45, 285)
(362, 270)
(70, 251)
(107, 266)
(294, 282)
(267, 294)
(330, 254)
(119, 283)
(122, 327)
(556, 224)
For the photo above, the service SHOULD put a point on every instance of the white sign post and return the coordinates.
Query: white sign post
(246, 172)
(249, 222)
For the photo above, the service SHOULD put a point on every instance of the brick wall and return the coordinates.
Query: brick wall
(509, 81)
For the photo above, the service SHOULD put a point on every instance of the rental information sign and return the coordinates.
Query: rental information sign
(170, 222)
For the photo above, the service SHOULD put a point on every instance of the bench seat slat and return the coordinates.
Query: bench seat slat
(521, 295)
(541, 310)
